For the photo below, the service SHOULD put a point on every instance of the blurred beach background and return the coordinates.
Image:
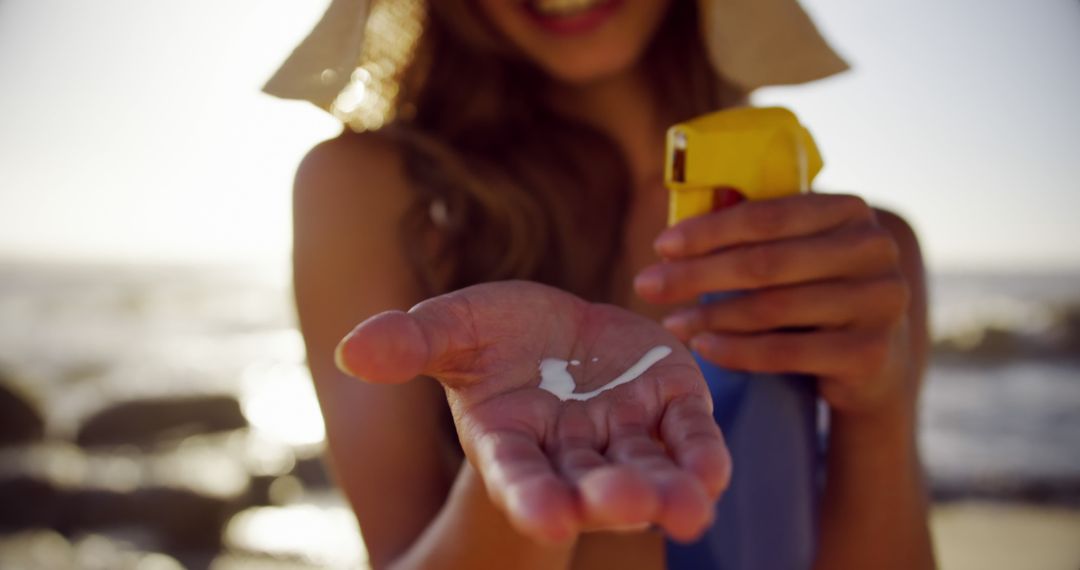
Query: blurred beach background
(155, 408)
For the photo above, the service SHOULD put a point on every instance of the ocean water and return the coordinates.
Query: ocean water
(1000, 411)
(80, 336)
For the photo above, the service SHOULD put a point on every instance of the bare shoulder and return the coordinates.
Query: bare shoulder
(352, 168)
(350, 262)
(349, 257)
(350, 196)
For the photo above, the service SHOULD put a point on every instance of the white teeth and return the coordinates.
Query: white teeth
(563, 7)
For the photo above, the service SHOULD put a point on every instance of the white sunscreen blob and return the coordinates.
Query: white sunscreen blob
(555, 379)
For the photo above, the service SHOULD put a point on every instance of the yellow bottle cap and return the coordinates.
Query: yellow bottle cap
(761, 152)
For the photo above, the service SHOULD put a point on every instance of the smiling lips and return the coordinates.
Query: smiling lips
(562, 7)
(570, 16)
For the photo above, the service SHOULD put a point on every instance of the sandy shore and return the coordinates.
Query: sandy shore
(993, 536)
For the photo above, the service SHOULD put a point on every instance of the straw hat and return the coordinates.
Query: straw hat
(348, 64)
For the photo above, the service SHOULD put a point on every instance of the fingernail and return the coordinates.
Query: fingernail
(701, 342)
(629, 528)
(339, 356)
(649, 282)
(679, 321)
(669, 243)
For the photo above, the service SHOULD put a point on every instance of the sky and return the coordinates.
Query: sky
(134, 130)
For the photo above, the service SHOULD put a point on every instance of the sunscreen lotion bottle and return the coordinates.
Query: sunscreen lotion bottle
(768, 516)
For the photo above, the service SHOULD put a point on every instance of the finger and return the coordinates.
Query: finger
(617, 497)
(574, 444)
(686, 509)
(830, 304)
(852, 354)
(763, 220)
(694, 440)
(519, 478)
(575, 460)
(434, 338)
(854, 252)
(611, 496)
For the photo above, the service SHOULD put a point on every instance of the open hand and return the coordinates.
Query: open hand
(645, 452)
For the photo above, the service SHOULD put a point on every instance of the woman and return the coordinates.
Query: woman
(526, 144)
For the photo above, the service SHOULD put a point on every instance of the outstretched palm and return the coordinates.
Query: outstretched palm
(644, 452)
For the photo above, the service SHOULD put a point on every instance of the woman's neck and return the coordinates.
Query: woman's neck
(624, 108)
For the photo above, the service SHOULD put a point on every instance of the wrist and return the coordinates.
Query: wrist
(891, 425)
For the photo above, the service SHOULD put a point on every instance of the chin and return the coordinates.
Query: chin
(585, 69)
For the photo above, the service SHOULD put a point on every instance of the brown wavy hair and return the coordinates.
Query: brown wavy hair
(509, 188)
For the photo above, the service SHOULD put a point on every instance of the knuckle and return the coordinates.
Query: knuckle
(875, 242)
(855, 205)
(731, 353)
(768, 218)
(888, 296)
(716, 316)
(759, 265)
(699, 231)
(687, 277)
(873, 352)
(777, 350)
(727, 353)
(766, 310)
(888, 247)
(895, 296)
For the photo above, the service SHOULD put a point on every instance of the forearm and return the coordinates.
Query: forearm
(874, 511)
(470, 532)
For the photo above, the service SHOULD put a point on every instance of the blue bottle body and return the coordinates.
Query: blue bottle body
(768, 516)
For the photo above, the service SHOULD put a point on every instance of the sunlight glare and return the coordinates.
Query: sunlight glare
(325, 536)
(279, 401)
(392, 30)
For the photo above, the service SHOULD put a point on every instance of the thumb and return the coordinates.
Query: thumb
(394, 347)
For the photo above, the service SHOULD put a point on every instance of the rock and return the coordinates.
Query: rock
(259, 489)
(33, 482)
(1058, 491)
(179, 518)
(147, 422)
(29, 502)
(994, 344)
(1069, 325)
(185, 495)
(48, 549)
(20, 422)
(312, 472)
(180, 497)
(998, 343)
